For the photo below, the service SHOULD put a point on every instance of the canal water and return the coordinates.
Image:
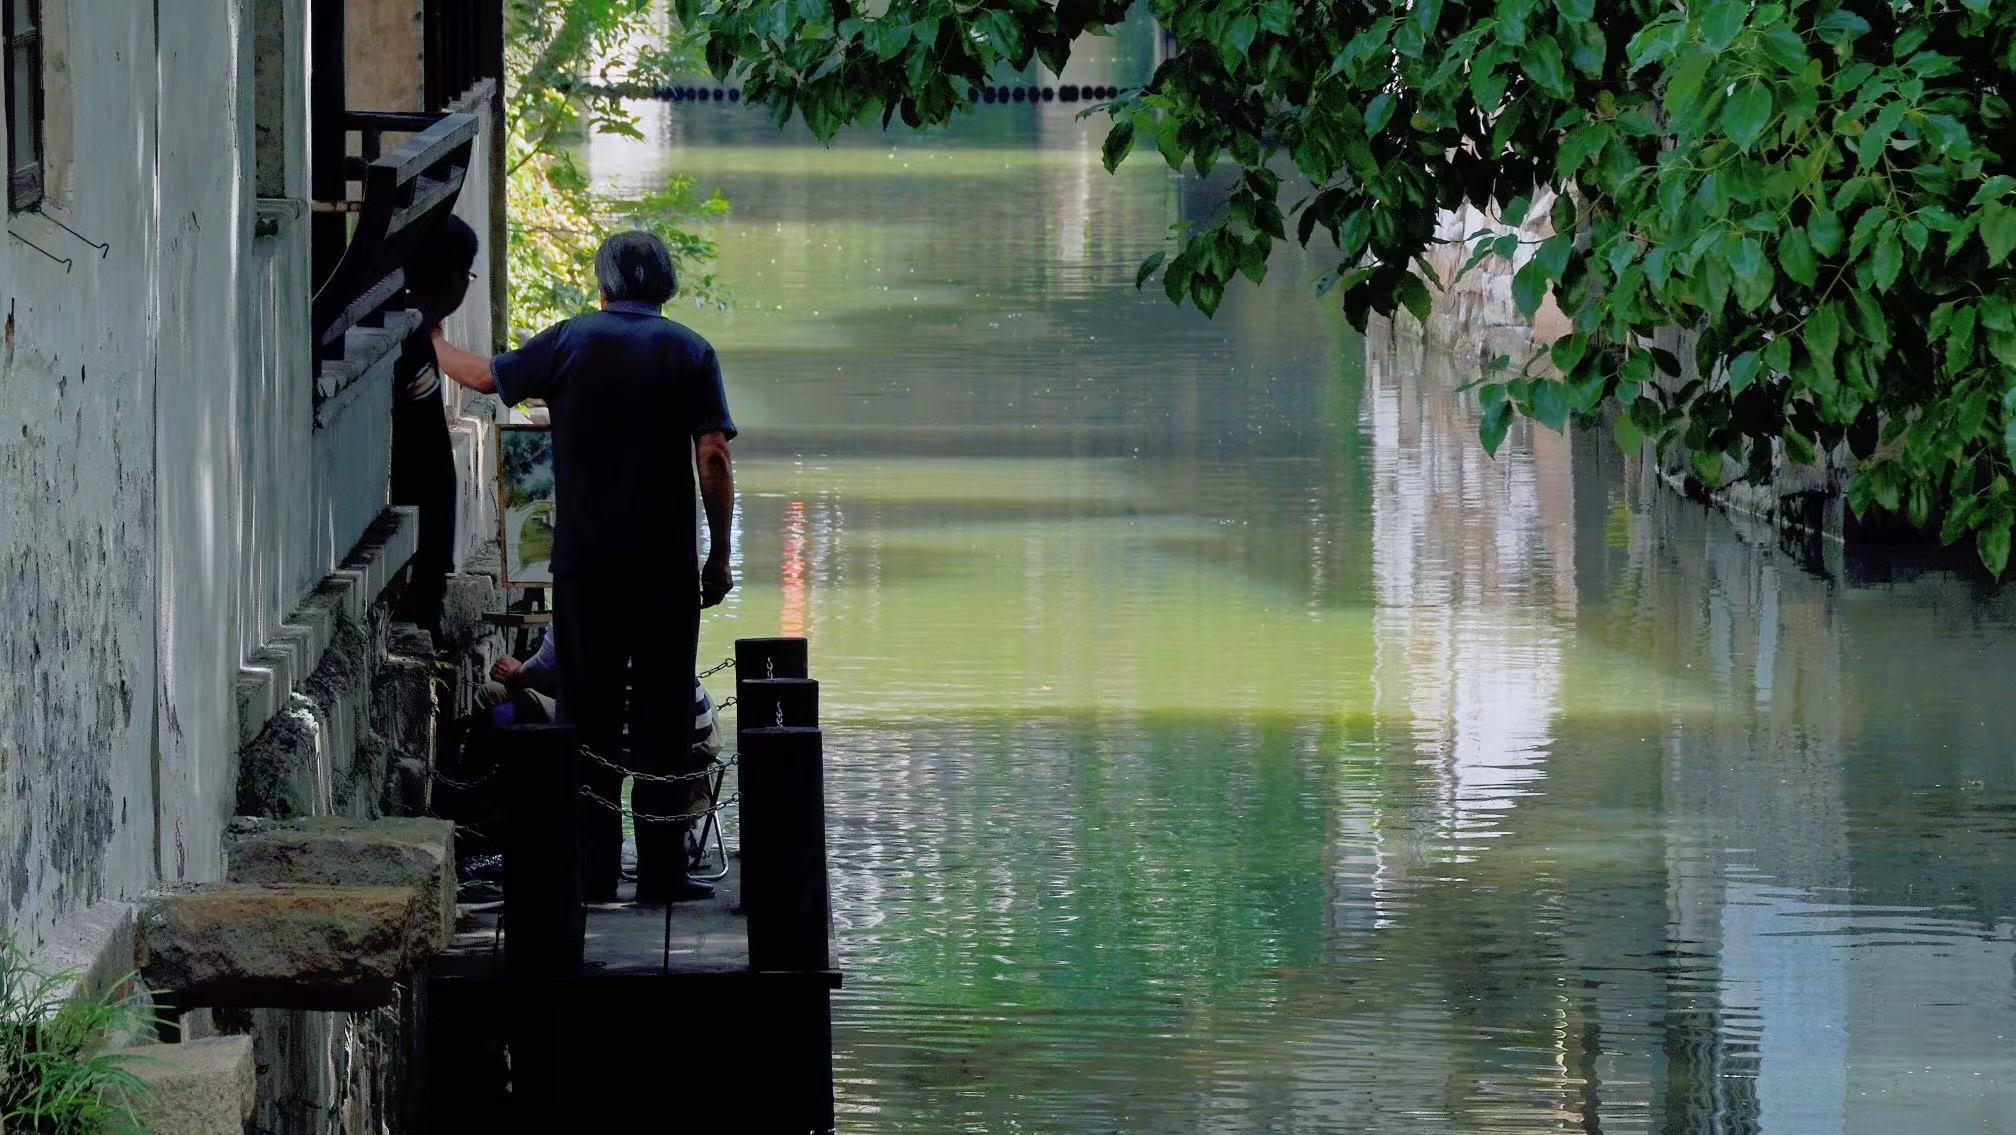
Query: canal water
(1220, 742)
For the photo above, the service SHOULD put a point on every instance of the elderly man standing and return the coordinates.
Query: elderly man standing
(627, 388)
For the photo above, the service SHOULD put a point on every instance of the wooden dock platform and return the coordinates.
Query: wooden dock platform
(630, 1039)
(709, 937)
(611, 1017)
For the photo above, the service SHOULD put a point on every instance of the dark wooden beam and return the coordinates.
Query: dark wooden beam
(327, 176)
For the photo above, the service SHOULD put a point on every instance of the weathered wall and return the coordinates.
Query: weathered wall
(77, 502)
(382, 44)
(470, 415)
(205, 218)
(274, 404)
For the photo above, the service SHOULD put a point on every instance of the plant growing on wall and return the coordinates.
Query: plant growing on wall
(1825, 190)
(56, 1077)
(564, 64)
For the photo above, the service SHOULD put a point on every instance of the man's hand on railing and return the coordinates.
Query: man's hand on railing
(466, 367)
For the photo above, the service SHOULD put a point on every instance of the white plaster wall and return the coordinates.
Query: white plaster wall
(276, 392)
(203, 198)
(470, 416)
(77, 503)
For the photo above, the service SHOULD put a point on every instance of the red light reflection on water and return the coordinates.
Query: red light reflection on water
(791, 618)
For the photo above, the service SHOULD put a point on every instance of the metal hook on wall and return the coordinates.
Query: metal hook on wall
(104, 250)
(65, 261)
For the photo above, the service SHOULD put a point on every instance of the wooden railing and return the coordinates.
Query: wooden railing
(405, 191)
(464, 44)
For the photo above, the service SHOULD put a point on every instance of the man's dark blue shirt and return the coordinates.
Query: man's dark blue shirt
(628, 390)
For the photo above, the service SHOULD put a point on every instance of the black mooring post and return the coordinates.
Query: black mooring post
(544, 922)
(770, 658)
(783, 776)
(771, 703)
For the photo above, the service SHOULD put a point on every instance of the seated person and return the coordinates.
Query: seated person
(524, 693)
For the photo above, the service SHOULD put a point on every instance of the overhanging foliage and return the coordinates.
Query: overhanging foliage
(1823, 190)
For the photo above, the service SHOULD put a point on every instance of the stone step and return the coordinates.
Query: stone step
(335, 851)
(200, 1087)
(232, 945)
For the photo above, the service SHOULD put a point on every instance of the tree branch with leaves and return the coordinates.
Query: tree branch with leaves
(564, 63)
(1824, 191)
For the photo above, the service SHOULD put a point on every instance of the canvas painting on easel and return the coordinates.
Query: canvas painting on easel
(525, 504)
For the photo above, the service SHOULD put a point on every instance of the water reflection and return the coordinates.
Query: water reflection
(1220, 742)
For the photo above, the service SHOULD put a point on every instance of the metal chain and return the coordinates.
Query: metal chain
(653, 818)
(724, 664)
(713, 765)
(465, 785)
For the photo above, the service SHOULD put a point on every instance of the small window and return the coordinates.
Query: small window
(22, 32)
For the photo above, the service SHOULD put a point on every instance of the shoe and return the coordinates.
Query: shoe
(684, 890)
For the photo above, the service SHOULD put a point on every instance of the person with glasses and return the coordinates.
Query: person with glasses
(423, 455)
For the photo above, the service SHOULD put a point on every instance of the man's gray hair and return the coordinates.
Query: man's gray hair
(636, 266)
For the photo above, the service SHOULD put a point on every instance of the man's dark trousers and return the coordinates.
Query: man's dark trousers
(610, 626)
(423, 474)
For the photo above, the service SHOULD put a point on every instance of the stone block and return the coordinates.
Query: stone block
(198, 1087)
(409, 640)
(308, 947)
(285, 771)
(336, 852)
(403, 706)
(464, 602)
(96, 944)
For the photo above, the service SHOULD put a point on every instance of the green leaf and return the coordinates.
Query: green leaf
(1997, 314)
(1707, 467)
(1684, 82)
(1822, 333)
(1959, 337)
(1497, 416)
(1992, 544)
(1414, 294)
(1722, 22)
(1580, 145)
(1378, 113)
(1888, 260)
(1824, 229)
(1747, 112)
(1119, 143)
(1743, 371)
(1239, 34)
(1550, 404)
(1798, 448)
(1629, 437)
(1514, 212)
(1529, 288)
(1795, 256)
(1994, 189)
(1147, 269)
(1998, 231)
(1778, 355)
(1753, 273)
(1541, 60)
(1577, 9)
(1785, 48)
(1840, 27)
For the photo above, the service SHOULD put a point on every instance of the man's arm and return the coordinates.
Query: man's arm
(717, 494)
(466, 367)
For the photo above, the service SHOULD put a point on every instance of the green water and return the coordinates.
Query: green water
(1219, 742)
